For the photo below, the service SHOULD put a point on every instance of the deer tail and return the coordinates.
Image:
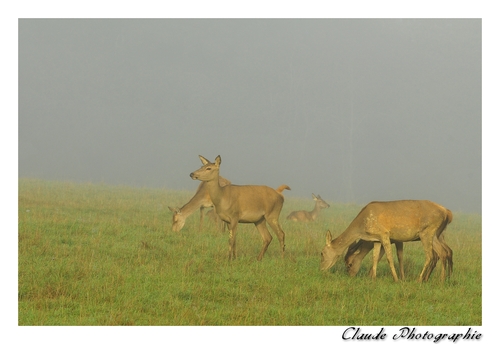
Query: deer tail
(449, 215)
(282, 187)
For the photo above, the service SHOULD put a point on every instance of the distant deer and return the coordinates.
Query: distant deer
(401, 221)
(244, 204)
(306, 216)
(200, 200)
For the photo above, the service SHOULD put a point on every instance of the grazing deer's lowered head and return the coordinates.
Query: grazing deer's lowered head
(178, 219)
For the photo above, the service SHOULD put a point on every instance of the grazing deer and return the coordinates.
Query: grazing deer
(398, 221)
(358, 250)
(244, 204)
(306, 216)
(200, 200)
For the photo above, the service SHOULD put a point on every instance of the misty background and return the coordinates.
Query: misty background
(353, 110)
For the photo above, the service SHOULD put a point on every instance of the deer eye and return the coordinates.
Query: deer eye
(209, 168)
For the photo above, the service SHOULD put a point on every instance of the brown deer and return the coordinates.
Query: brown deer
(358, 250)
(235, 204)
(306, 216)
(200, 200)
(401, 221)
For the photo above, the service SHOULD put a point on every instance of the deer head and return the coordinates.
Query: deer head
(320, 202)
(209, 170)
(329, 255)
(177, 219)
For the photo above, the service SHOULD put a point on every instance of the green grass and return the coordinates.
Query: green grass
(93, 254)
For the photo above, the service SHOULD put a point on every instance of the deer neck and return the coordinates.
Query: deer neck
(214, 189)
(198, 200)
(344, 240)
(315, 212)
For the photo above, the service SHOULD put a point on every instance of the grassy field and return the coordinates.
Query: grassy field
(92, 254)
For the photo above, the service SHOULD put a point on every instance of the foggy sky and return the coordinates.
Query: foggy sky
(355, 110)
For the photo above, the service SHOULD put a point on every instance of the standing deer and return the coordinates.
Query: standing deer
(200, 200)
(306, 216)
(244, 204)
(400, 221)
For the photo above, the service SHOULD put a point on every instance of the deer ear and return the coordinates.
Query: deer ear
(314, 197)
(203, 160)
(174, 210)
(328, 238)
(217, 160)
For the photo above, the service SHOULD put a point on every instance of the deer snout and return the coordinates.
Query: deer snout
(194, 175)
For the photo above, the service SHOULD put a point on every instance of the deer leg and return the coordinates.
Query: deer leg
(399, 251)
(232, 239)
(445, 254)
(266, 236)
(435, 258)
(386, 242)
(430, 257)
(440, 250)
(441, 253)
(377, 254)
(449, 255)
(275, 225)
